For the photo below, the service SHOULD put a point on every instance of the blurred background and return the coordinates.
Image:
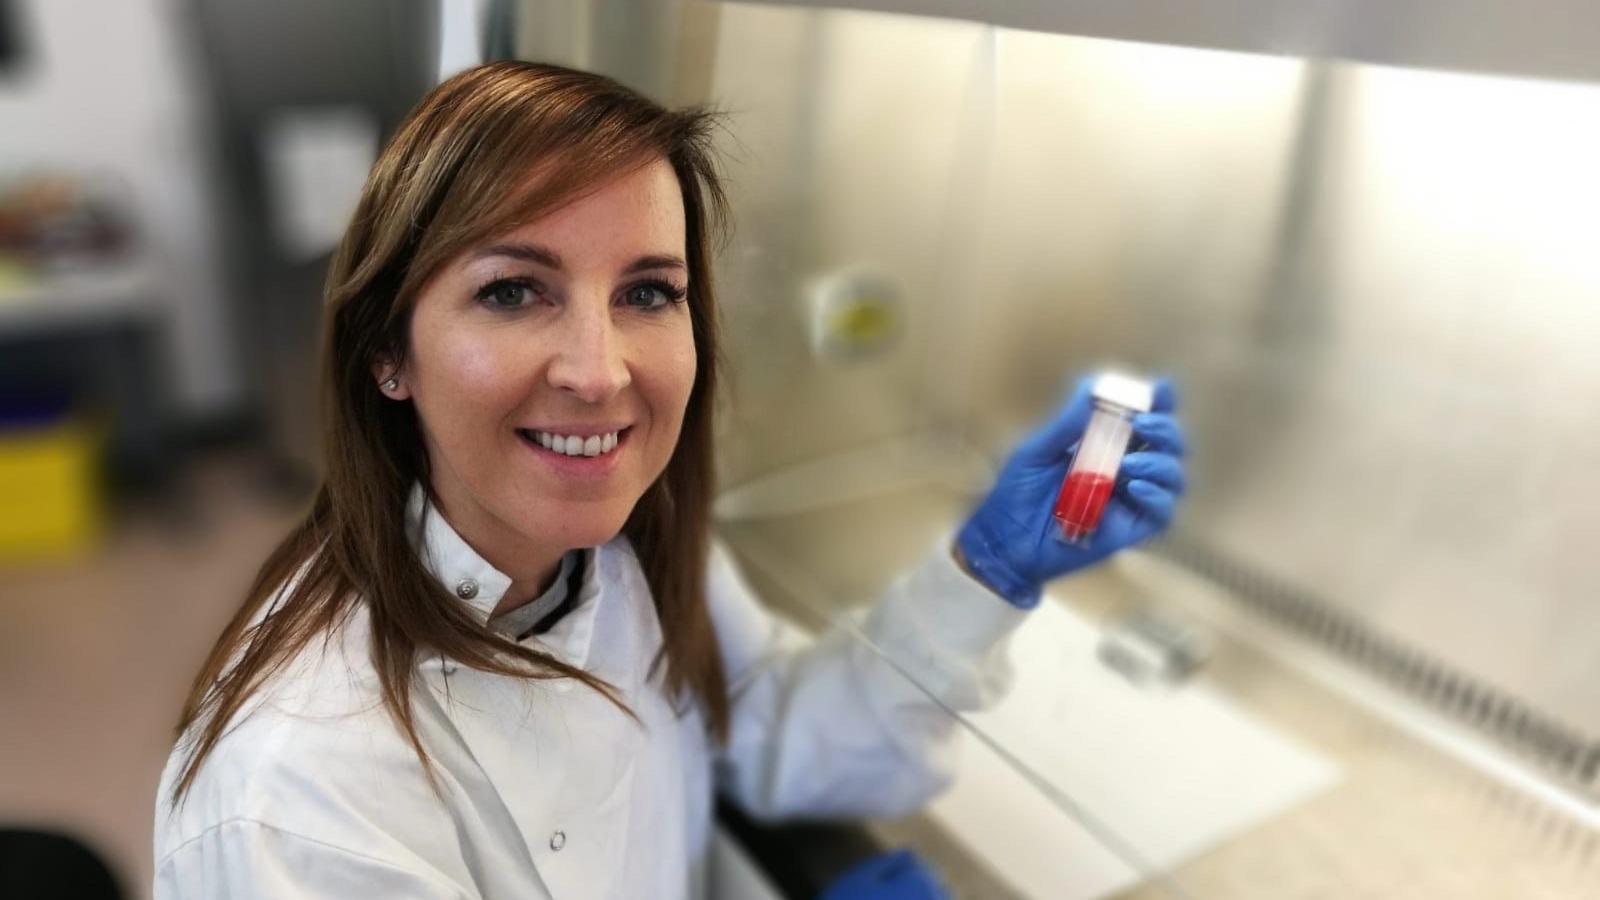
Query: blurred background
(1359, 236)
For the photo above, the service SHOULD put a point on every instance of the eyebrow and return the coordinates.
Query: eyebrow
(548, 258)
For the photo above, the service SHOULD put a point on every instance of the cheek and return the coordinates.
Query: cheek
(680, 378)
(473, 365)
(464, 378)
(667, 379)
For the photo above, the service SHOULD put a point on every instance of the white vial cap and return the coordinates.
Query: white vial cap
(1126, 391)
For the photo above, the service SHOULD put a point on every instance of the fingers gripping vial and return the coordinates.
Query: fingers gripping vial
(1093, 473)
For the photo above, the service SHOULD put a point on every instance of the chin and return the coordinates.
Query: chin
(582, 527)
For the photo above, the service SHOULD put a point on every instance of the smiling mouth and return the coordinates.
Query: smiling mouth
(575, 445)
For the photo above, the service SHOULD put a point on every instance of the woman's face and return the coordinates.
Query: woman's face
(550, 369)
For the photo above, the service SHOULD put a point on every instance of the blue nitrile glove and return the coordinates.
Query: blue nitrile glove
(896, 875)
(1011, 543)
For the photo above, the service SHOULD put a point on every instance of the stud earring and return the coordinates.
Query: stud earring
(391, 384)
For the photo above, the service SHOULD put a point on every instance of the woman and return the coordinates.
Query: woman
(499, 657)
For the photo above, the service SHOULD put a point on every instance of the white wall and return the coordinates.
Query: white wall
(105, 92)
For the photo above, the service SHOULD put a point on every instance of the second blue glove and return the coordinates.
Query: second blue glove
(895, 875)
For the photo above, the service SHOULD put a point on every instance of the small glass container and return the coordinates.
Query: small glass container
(1093, 473)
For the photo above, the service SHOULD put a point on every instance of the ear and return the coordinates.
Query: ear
(391, 381)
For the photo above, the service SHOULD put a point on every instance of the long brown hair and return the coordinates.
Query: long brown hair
(486, 151)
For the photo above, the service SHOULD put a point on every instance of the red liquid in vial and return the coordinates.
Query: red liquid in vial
(1081, 502)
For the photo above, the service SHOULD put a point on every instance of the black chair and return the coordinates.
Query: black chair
(37, 865)
(800, 859)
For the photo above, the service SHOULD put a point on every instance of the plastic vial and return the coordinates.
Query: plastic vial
(1093, 473)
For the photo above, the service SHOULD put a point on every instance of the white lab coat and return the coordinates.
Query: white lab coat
(547, 789)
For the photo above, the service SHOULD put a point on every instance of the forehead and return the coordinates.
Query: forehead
(637, 212)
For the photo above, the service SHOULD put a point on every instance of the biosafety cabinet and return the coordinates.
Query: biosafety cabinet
(1360, 238)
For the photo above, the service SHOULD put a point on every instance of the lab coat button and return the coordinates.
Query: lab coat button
(558, 840)
(466, 589)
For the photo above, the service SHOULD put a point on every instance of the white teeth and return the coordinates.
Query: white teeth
(573, 445)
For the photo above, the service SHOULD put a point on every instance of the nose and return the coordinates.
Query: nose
(590, 362)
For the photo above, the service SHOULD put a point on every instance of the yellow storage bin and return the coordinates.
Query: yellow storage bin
(51, 502)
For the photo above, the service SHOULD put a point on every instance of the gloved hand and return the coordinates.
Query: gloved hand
(1010, 543)
(896, 875)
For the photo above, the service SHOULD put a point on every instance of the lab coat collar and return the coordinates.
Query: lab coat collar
(451, 560)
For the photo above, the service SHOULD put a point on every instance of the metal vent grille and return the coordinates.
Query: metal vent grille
(1516, 724)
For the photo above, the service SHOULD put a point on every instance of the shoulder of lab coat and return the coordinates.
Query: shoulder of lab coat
(243, 859)
(262, 817)
(859, 721)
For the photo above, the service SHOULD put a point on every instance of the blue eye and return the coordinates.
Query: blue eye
(653, 295)
(508, 293)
